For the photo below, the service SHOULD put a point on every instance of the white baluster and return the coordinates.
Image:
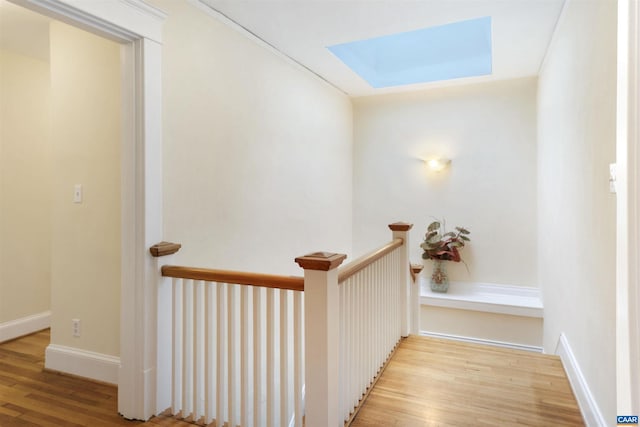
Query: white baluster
(186, 348)
(271, 383)
(298, 356)
(284, 355)
(244, 356)
(176, 339)
(209, 352)
(220, 362)
(342, 345)
(231, 356)
(257, 356)
(198, 370)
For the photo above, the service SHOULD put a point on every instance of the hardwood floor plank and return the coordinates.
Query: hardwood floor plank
(6, 421)
(31, 396)
(428, 382)
(434, 382)
(41, 419)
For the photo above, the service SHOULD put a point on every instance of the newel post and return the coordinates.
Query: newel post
(415, 298)
(401, 230)
(322, 336)
(163, 253)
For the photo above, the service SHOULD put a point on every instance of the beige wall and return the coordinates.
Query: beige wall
(577, 222)
(481, 325)
(86, 135)
(489, 132)
(257, 151)
(25, 204)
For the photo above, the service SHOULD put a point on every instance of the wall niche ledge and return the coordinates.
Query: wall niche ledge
(485, 297)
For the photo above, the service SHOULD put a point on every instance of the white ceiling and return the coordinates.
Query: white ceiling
(24, 31)
(302, 29)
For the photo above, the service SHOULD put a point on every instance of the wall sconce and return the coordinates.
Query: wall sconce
(438, 164)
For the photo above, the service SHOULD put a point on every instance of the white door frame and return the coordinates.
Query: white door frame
(138, 27)
(628, 211)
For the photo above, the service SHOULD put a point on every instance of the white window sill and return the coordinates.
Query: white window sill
(486, 297)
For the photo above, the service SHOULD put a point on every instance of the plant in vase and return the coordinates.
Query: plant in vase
(440, 245)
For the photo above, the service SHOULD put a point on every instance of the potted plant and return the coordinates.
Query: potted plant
(440, 245)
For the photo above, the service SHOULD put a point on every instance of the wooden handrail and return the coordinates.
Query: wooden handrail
(294, 283)
(356, 265)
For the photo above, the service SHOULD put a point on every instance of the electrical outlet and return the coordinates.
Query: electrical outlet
(75, 327)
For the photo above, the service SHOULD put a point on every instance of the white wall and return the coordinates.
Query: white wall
(25, 205)
(577, 222)
(488, 130)
(257, 152)
(86, 135)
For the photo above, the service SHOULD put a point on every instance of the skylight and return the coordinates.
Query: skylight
(451, 51)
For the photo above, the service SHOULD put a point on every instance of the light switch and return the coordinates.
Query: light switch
(613, 176)
(77, 193)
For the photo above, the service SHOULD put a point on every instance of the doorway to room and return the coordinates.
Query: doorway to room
(136, 27)
(61, 202)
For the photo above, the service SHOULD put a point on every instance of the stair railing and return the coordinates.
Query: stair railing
(248, 350)
(355, 317)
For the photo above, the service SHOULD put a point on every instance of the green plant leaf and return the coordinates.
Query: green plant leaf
(430, 234)
(442, 245)
(435, 238)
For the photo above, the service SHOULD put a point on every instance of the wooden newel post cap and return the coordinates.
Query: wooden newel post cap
(323, 261)
(400, 226)
(164, 248)
(415, 269)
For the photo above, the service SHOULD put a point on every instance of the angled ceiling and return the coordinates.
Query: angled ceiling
(303, 29)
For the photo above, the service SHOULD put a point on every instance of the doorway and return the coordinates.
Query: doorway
(60, 198)
(136, 26)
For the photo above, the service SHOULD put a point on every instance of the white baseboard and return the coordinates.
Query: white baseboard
(513, 346)
(83, 363)
(24, 326)
(588, 406)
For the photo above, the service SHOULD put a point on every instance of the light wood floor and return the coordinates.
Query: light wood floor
(429, 382)
(433, 382)
(30, 396)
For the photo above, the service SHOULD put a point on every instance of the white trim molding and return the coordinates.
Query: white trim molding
(628, 210)
(588, 405)
(24, 326)
(138, 27)
(83, 363)
(116, 19)
(502, 344)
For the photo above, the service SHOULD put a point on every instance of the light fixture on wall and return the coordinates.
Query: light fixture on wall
(438, 164)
